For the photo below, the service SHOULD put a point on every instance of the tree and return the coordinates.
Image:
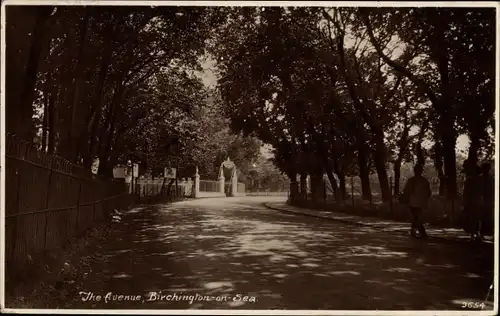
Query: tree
(442, 38)
(27, 41)
(86, 91)
(322, 82)
(336, 92)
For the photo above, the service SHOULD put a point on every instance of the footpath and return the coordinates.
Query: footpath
(437, 233)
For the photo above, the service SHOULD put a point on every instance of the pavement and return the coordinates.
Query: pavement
(440, 233)
(235, 253)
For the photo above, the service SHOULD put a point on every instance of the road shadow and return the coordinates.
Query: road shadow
(283, 261)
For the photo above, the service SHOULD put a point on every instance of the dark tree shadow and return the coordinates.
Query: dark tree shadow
(208, 248)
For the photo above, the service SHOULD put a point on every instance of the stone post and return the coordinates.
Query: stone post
(189, 187)
(234, 184)
(196, 192)
(221, 180)
(128, 181)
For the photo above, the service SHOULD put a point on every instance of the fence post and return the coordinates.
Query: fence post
(352, 191)
(221, 179)
(197, 184)
(47, 205)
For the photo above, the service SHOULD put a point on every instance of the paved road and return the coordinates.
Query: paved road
(232, 248)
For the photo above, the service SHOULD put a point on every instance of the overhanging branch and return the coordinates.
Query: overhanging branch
(395, 65)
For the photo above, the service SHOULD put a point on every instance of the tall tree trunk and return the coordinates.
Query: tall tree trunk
(475, 146)
(317, 188)
(419, 152)
(45, 126)
(76, 89)
(110, 121)
(342, 191)
(397, 175)
(105, 150)
(294, 187)
(333, 183)
(438, 165)
(320, 139)
(97, 104)
(403, 148)
(379, 161)
(364, 172)
(94, 117)
(446, 123)
(450, 164)
(24, 127)
(342, 184)
(303, 185)
(51, 142)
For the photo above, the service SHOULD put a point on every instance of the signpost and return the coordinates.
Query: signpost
(95, 165)
(119, 172)
(170, 173)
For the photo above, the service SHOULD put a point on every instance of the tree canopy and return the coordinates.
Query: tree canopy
(335, 91)
(347, 90)
(118, 83)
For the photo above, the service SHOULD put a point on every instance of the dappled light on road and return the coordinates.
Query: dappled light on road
(217, 247)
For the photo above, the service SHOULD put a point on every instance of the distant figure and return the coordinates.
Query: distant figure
(473, 200)
(416, 194)
(488, 185)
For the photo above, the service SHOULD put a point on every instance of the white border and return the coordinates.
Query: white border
(497, 186)
(239, 312)
(2, 160)
(242, 3)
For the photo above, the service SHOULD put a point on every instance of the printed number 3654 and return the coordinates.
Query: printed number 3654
(474, 305)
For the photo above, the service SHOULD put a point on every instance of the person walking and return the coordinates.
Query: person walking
(416, 194)
(473, 200)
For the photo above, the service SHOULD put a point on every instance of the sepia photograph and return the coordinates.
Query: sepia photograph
(249, 157)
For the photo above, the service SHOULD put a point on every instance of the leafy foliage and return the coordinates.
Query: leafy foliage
(342, 90)
(114, 82)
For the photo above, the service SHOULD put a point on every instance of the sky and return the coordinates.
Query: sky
(207, 75)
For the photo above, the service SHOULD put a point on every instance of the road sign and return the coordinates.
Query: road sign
(170, 173)
(119, 172)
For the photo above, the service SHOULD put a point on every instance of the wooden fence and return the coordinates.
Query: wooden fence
(160, 190)
(241, 188)
(440, 209)
(209, 186)
(49, 200)
(265, 193)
